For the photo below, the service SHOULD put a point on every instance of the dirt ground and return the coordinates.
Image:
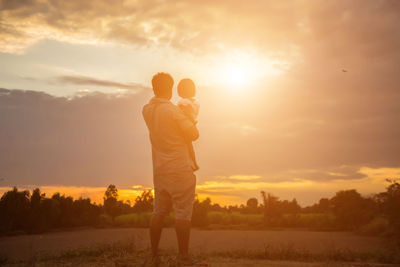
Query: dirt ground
(216, 262)
(25, 247)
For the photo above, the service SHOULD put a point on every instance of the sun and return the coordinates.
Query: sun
(236, 75)
(240, 71)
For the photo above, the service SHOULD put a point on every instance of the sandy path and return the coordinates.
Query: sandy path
(24, 246)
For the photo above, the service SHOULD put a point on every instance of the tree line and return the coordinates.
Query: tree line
(23, 211)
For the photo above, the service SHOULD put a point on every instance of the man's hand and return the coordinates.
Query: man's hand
(187, 109)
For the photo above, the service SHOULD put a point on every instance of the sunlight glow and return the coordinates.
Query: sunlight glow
(236, 75)
(238, 71)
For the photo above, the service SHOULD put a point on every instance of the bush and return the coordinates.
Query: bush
(317, 220)
(133, 219)
(200, 211)
(235, 218)
(375, 227)
(105, 220)
(217, 217)
(254, 219)
(141, 220)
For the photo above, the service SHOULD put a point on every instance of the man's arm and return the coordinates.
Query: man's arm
(188, 127)
(191, 133)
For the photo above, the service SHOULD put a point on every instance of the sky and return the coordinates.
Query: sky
(298, 98)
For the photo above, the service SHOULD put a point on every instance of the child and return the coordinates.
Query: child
(190, 106)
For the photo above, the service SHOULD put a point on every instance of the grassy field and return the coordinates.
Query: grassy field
(129, 247)
(126, 254)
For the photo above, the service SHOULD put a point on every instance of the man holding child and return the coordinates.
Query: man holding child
(172, 130)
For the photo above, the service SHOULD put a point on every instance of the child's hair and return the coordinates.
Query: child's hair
(186, 88)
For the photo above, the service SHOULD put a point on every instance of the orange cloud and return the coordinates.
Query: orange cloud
(288, 29)
(84, 80)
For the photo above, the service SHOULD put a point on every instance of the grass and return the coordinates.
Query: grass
(126, 254)
(318, 221)
(235, 218)
(377, 226)
(140, 220)
(133, 219)
(290, 253)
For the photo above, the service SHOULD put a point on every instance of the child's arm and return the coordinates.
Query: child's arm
(189, 112)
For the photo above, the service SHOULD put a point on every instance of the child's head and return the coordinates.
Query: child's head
(186, 88)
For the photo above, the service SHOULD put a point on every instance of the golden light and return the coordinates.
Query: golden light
(239, 71)
(236, 75)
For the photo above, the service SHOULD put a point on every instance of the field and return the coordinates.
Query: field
(234, 220)
(129, 247)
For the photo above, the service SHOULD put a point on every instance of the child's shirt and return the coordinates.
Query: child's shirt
(190, 107)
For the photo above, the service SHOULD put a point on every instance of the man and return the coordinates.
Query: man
(173, 177)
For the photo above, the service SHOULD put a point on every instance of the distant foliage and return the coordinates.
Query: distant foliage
(111, 205)
(351, 209)
(389, 206)
(272, 212)
(200, 211)
(144, 202)
(23, 211)
(14, 208)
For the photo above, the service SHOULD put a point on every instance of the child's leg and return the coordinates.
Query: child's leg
(193, 156)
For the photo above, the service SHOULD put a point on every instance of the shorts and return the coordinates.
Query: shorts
(175, 192)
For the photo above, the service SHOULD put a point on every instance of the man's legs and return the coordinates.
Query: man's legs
(183, 199)
(156, 226)
(162, 207)
(182, 228)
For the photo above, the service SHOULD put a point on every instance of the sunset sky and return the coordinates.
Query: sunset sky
(298, 98)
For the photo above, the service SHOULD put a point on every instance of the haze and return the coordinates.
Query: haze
(298, 98)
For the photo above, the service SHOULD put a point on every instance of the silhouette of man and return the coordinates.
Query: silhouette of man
(173, 177)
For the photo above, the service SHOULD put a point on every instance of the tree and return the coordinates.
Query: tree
(144, 202)
(85, 212)
(200, 211)
(324, 205)
(65, 216)
(110, 201)
(14, 209)
(294, 207)
(37, 220)
(271, 208)
(389, 203)
(351, 209)
(111, 192)
(252, 205)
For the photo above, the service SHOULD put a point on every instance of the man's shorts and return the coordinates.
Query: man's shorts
(175, 192)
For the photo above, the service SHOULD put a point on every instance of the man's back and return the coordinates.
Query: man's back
(167, 125)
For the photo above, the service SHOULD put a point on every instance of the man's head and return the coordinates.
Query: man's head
(186, 88)
(162, 85)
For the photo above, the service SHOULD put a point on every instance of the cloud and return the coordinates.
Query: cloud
(85, 80)
(306, 191)
(92, 140)
(308, 31)
(244, 177)
(327, 174)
